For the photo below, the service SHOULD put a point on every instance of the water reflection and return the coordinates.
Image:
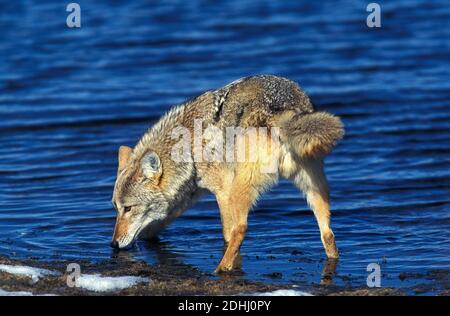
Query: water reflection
(329, 271)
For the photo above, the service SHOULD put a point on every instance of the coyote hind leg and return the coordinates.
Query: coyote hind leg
(312, 181)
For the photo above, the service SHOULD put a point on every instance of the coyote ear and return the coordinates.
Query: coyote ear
(151, 164)
(124, 155)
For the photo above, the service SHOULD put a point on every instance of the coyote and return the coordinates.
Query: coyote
(152, 188)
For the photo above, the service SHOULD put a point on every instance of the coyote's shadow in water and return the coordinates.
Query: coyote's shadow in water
(161, 254)
(158, 254)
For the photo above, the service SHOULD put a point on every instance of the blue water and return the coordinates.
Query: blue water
(70, 97)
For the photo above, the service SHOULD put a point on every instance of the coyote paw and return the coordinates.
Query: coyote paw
(333, 254)
(222, 267)
(330, 245)
(228, 264)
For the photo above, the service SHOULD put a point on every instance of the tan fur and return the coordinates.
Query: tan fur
(124, 155)
(121, 227)
(298, 139)
(321, 207)
(241, 196)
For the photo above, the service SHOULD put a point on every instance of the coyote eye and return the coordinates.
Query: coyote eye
(126, 209)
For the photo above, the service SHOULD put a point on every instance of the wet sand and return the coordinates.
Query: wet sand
(163, 280)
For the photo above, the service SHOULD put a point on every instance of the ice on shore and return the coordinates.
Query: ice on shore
(91, 282)
(283, 293)
(21, 293)
(33, 273)
(15, 293)
(98, 283)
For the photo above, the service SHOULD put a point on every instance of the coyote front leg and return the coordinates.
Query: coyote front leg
(225, 216)
(240, 200)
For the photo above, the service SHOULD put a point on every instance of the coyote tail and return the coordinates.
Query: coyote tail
(312, 135)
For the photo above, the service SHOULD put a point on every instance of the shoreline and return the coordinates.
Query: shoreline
(154, 281)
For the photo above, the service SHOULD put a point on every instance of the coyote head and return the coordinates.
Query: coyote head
(150, 190)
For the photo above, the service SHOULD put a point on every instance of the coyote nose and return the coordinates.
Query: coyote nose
(114, 244)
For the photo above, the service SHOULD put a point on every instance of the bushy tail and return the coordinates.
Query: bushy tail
(312, 135)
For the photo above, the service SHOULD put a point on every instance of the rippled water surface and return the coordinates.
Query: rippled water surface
(70, 97)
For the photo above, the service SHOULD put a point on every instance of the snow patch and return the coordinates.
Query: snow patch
(98, 283)
(33, 273)
(283, 293)
(20, 293)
